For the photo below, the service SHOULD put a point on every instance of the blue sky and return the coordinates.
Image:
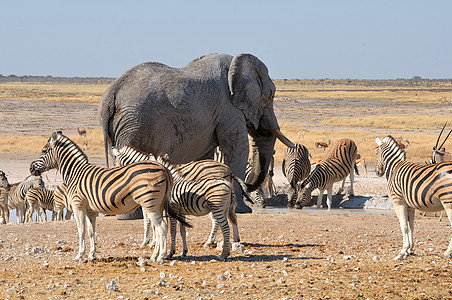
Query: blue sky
(295, 39)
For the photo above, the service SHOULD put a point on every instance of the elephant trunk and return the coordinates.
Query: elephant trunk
(262, 143)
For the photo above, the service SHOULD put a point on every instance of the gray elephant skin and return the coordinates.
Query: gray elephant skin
(215, 100)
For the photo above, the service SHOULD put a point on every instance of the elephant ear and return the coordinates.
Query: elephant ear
(250, 86)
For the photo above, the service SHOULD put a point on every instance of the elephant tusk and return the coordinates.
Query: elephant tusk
(283, 138)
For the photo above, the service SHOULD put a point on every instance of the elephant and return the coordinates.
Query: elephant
(215, 100)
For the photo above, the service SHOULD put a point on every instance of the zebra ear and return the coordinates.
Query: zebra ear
(378, 141)
(115, 152)
(56, 135)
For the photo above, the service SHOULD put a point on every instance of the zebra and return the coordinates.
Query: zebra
(193, 171)
(412, 186)
(212, 196)
(93, 190)
(39, 200)
(339, 162)
(4, 189)
(60, 203)
(17, 193)
(295, 167)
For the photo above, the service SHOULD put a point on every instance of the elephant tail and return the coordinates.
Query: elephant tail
(243, 188)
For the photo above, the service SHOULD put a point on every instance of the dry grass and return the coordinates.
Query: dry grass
(424, 91)
(34, 143)
(360, 128)
(52, 91)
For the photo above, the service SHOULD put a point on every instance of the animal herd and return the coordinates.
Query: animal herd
(195, 184)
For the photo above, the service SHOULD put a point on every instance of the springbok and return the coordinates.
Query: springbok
(439, 153)
(401, 144)
(322, 145)
(81, 132)
(363, 163)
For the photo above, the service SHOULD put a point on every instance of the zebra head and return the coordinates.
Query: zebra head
(388, 152)
(304, 191)
(4, 184)
(57, 147)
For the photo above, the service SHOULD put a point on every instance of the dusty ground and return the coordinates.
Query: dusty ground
(309, 253)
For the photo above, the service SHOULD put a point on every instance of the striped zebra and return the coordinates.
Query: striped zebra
(212, 196)
(93, 190)
(4, 189)
(412, 186)
(195, 171)
(61, 202)
(39, 200)
(17, 193)
(339, 162)
(295, 167)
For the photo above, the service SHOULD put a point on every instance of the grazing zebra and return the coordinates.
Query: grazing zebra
(337, 164)
(4, 189)
(60, 203)
(412, 186)
(38, 200)
(195, 171)
(17, 193)
(93, 190)
(295, 167)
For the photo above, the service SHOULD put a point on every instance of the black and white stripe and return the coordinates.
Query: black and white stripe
(412, 186)
(17, 193)
(39, 200)
(295, 167)
(339, 162)
(4, 190)
(93, 190)
(61, 202)
(188, 174)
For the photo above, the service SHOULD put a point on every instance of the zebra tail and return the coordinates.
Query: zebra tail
(171, 213)
(244, 188)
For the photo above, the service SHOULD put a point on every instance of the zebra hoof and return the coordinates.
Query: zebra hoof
(79, 259)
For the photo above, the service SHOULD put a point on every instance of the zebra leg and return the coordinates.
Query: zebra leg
(329, 197)
(232, 217)
(448, 209)
(91, 218)
(342, 186)
(147, 224)
(402, 214)
(183, 235)
(290, 197)
(173, 230)
(213, 232)
(410, 215)
(80, 217)
(320, 198)
(221, 220)
(68, 214)
(160, 234)
(352, 178)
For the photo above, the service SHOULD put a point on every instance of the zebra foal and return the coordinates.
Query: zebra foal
(93, 190)
(39, 200)
(412, 186)
(4, 189)
(339, 162)
(17, 193)
(295, 167)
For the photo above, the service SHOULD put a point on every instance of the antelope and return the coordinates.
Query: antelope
(400, 143)
(301, 134)
(322, 145)
(439, 153)
(363, 163)
(81, 132)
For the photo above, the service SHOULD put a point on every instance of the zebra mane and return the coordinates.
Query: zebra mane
(75, 149)
(392, 144)
(164, 160)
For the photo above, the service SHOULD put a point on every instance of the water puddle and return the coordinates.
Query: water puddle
(314, 210)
